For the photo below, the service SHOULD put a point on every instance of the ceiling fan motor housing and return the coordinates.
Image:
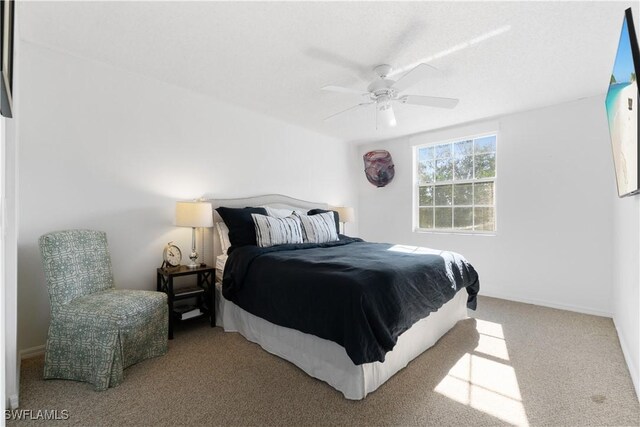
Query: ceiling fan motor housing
(382, 87)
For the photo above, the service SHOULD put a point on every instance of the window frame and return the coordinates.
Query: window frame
(416, 189)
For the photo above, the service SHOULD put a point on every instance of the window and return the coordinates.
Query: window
(456, 184)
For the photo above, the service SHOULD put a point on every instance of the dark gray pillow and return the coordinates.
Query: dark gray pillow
(242, 231)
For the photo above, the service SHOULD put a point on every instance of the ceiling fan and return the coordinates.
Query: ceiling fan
(383, 93)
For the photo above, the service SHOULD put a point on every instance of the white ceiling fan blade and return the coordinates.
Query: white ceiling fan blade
(348, 109)
(342, 89)
(430, 101)
(337, 60)
(385, 116)
(405, 39)
(416, 75)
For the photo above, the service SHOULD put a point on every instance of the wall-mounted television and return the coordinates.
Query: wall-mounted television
(623, 112)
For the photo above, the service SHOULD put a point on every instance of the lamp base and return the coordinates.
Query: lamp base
(194, 258)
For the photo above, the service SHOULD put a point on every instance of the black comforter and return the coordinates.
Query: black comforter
(360, 295)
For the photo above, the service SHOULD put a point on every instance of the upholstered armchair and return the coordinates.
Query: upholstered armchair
(96, 331)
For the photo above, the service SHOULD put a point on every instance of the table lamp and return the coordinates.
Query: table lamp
(194, 214)
(345, 215)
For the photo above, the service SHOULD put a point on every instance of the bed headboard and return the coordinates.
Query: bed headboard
(211, 240)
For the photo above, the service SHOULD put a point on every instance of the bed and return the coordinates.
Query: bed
(323, 358)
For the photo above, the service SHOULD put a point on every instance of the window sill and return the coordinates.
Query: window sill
(456, 232)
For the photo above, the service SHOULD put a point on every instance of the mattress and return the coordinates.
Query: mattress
(328, 361)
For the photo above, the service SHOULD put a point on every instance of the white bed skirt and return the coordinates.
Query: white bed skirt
(328, 361)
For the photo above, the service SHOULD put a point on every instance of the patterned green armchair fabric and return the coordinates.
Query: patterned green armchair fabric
(96, 331)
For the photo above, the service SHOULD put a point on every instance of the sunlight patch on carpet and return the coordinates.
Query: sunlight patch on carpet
(491, 340)
(484, 380)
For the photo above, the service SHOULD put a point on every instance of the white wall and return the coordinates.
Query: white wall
(626, 280)
(4, 403)
(10, 271)
(554, 213)
(107, 149)
(9, 300)
(626, 276)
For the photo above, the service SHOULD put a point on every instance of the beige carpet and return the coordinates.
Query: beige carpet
(512, 364)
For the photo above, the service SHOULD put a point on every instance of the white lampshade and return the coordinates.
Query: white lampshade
(346, 214)
(194, 214)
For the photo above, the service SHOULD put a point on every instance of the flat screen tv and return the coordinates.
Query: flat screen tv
(623, 112)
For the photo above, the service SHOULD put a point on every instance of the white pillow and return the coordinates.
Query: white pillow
(223, 233)
(319, 228)
(276, 231)
(277, 213)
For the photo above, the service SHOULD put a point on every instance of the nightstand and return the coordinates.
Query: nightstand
(203, 292)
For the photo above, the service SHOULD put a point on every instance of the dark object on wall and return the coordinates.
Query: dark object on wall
(378, 167)
(6, 57)
(623, 113)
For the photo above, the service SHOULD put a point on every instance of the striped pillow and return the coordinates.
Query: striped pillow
(319, 228)
(276, 231)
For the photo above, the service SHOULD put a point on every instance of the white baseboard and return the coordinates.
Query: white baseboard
(568, 307)
(28, 353)
(631, 364)
(12, 401)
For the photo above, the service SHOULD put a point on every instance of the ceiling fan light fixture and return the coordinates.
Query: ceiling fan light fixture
(385, 113)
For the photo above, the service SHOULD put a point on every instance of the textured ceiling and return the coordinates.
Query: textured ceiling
(497, 58)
